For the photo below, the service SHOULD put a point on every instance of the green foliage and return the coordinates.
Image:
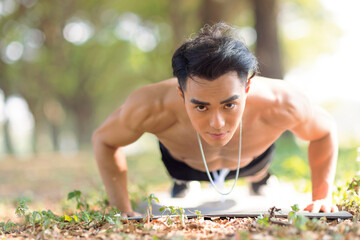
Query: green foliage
(295, 207)
(89, 80)
(7, 226)
(149, 201)
(290, 159)
(290, 163)
(77, 195)
(348, 197)
(296, 165)
(319, 31)
(198, 213)
(263, 220)
(180, 212)
(297, 220)
(103, 219)
(47, 219)
(22, 208)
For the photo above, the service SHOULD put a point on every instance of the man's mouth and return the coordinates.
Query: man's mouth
(217, 135)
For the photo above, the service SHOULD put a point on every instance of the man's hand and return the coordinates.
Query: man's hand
(322, 205)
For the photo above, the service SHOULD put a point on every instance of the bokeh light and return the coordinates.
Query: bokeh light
(13, 52)
(249, 35)
(130, 28)
(18, 113)
(78, 32)
(7, 7)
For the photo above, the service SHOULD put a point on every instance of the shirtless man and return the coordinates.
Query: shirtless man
(214, 93)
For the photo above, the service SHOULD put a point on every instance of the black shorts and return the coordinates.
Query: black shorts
(181, 171)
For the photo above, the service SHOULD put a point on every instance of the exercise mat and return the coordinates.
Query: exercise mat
(329, 216)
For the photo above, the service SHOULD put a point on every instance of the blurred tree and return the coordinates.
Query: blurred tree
(267, 44)
(212, 11)
(265, 13)
(82, 58)
(177, 21)
(83, 77)
(5, 84)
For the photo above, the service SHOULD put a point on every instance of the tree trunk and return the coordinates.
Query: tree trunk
(267, 46)
(83, 113)
(5, 86)
(9, 148)
(212, 11)
(177, 21)
(55, 137)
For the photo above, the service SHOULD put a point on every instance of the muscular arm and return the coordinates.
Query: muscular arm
(318, 127)
(142, 112)
(107, 143)
(113, 170)
(291, 110)
(124, 126)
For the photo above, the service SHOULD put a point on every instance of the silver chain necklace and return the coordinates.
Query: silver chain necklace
(207, 170)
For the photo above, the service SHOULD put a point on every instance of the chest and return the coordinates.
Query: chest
(256, 137)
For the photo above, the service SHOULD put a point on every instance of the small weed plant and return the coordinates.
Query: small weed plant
(177, 211)
(102, 222)
(348, 197)
(44, 220)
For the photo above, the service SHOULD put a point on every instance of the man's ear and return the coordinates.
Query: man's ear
(180, 92)
(248, 83)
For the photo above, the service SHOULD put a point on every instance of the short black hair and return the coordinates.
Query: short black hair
(215, 51)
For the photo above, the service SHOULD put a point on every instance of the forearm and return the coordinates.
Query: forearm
(113, 170)
(322, 156)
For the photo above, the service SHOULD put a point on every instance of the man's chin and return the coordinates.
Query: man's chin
(217, 142)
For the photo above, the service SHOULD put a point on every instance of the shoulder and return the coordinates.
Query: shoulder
(143, 111)
(284, 105)
(146, 108)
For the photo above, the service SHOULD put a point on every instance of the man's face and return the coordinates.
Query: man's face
(215, 108)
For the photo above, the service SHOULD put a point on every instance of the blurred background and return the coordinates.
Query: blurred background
(66, 65)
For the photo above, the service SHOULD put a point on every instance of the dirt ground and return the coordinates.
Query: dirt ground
(45, 179)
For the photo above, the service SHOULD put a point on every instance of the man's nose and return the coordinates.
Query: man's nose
(217, 121)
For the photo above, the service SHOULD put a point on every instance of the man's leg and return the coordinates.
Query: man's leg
(180, 188)
(261, 180)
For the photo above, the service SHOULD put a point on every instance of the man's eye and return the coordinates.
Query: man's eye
(201, 108)
(229, 105)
